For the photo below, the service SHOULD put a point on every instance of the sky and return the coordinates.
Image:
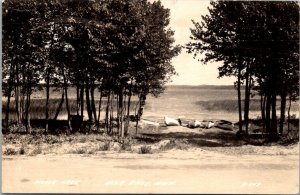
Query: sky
(191, 71)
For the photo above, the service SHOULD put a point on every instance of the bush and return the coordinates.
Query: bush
(10, 151)
(35, 151)
(22, 150)
(81, 150)
(146, 150)
(105, 147)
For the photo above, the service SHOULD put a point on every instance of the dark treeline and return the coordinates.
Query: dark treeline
(117, 48)
(259, 45)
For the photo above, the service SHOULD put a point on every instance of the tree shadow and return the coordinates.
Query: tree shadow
(203, 139)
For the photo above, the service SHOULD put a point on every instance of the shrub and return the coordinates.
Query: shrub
(146, 150)
(126, 146)
(35, 151)
(22, 150)
(10, 151)
(81, 150)
(105, 146)
(82, 139)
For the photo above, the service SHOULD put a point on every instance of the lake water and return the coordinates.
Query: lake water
(182, 101)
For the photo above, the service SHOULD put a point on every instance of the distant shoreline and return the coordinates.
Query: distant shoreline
(203, 86)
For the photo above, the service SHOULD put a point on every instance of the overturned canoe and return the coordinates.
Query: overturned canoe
(225, 125)
(171, 121)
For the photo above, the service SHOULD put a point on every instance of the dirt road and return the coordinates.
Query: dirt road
(175, 171)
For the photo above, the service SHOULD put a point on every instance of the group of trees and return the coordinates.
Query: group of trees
(259, 45)
(118, 48)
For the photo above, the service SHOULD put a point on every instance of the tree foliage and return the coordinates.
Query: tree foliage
(258, 42)
(118, 47)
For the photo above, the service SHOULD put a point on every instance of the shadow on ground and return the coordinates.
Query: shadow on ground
(211, 138)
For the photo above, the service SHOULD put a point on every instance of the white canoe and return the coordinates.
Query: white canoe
(171, 121)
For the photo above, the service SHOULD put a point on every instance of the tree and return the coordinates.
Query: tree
(231, 33)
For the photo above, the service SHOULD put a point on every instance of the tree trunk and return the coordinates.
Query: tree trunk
(263, 112)
(247, 99)
(239, 100)
(27, 117)
(128, 110)
(111, 118)
(60, 104)
(289, 112)
(282, 112)
(82, 99)
(17, 93)
(121, 115)
(268, 114)
(67, 100)
(137, 116)
(99, 109)
(77, 99)
(47, 100)
(88, 103)
(274, 117)
(107, 112)
(17, 103)
(93, 105)
(7, 111)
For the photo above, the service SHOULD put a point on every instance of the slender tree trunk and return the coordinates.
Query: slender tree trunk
(247, 99)
(239, 100)
(60, 104)
(77, 99)
(128, 114)
(289, 112)
(282, 112)
(107, 112)
(17, 103)
(274, 116)
(17, 93)
(263, 113)
(7, 111)
(82, 99)
(22, 107)
(93, 105)
(268, 114)
(27, 117)
(99, 108)
(138, 115)
(128, 109)
(111, 118)
(88, 103)
(67, 100)
(121, 114)
(118, 114)
(47, 100)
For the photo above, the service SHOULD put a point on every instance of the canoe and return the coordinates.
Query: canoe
(171, 121)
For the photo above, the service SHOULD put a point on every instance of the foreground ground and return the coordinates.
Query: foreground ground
(174, 160)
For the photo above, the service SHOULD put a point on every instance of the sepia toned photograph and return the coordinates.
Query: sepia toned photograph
(150, 96)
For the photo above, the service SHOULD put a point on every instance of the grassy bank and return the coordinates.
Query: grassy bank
(38, 109)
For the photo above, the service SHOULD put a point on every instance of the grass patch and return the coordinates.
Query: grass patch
(37, 150)
(146, 150)
(106, 146)
(174, 144)
(10, 151)
(38, 108)
(82, 150)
